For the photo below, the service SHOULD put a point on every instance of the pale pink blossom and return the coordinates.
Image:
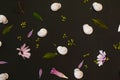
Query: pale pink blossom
(101, 58)
(24, 51)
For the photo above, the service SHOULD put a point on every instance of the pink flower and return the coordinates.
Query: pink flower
(57, 73)
(101, 58)
(24, 51)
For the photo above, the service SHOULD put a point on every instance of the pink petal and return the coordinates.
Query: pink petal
(40, 73)
(57, 73)
(27, 55)
(23, 46)
(19, 53)
(30, 33)
(3, 62)
(80, 65)
(18, 49)
(100, 63)
(26, 51)
(99, 59)
(100, 56)
(102, 53)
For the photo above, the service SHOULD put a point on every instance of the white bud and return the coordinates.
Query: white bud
(62, 50)
(97, 6)
(55, 6)
(87, 29)
(42, 32)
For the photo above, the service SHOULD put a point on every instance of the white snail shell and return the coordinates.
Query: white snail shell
(42, 32)
(97, 6)
(4, 76)
(0, 43)
(55, 6)
(87, 29)
(3, 19)
(78, 74)
(119, 28)
(62, 50)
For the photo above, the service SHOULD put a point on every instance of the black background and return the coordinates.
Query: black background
(77, 14)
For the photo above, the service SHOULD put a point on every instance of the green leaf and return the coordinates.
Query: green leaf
(99, 23)
(50, 55)
(7, 29)
(36, 15)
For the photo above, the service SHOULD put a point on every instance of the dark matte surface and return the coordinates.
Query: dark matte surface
(77, 14)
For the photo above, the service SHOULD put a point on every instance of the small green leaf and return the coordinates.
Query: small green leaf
(86, 55)
(50, 55)
(86, 66)
(19, 38)
(107, 59)
(95, 61)
(36, 15)
(64, 36)
(71, 42)
(99, 23)
(54, 44)
(7, 29)
(119, 47)
(37, 40)
(115, 46)
(23, 24)
(37, 45)
(85, 1)
(63, 18)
